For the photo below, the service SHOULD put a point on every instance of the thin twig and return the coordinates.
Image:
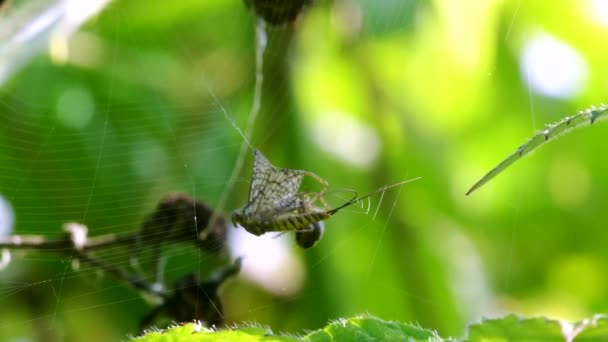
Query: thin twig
(40, 242)
(133, 281)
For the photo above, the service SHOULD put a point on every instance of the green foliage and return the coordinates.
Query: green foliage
(357, 329)
(362, 93)
(592, 330)
(195, 333)
(365, 328)
(513, 328)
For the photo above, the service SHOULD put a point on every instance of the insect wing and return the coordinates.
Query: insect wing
(273, 188)
(261, 171)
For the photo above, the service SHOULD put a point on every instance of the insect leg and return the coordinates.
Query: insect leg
(319, 195)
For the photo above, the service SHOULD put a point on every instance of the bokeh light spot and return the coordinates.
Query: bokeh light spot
(580, 276)
(569, 183)
(149, 159)
(552, 67)
(75, 107)
(7, 217)
(268, 261)
(347, 139)
(598, 11)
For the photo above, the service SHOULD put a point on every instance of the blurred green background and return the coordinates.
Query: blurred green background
(364, 93)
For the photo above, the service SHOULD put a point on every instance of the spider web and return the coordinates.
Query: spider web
(108, 166)
(178, 98)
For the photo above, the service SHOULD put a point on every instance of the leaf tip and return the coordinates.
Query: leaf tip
(473, 188)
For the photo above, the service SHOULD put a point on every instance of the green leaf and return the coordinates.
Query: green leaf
(513, 328)
(196, 333)
(565, 125)
(592, 330)
(361, 328)
(367, 328)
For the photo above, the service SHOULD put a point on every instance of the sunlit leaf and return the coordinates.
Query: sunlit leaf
(371, 329)
(193, 332)
(363, 328)
(595, 329)
(513, 328)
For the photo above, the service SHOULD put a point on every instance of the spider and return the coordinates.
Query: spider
(275, 205)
